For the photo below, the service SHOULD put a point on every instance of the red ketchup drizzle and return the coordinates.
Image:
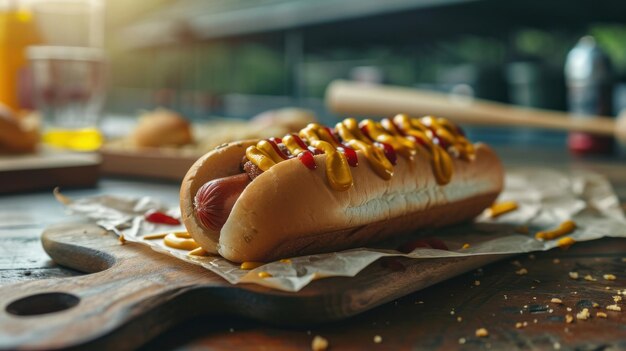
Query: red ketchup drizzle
(350, 154)
(307, 159)
(389, 151)
(366, 132)
(276, 140)
(332, 135)
(420, 141)
(299, 141)
(160, 218)
(400, 130)
(277, 149)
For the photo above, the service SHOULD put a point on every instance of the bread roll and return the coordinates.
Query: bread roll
(18, 135)
(162, 127)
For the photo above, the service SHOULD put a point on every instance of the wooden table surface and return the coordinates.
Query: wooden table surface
(444, 316)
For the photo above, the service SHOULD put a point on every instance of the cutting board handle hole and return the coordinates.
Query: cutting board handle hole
(38, 304)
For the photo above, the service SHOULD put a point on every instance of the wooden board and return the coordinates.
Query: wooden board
(46, 170)
(153, 164)
(135, 293)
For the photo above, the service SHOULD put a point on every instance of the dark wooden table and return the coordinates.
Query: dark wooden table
(444, 316)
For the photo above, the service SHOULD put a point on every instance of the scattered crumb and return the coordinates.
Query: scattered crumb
(573, 275)
(319, 343)
(465, 246)
(516, 263)
(419, 302)
(614, 308)
(532, 287)
(459, 319)
(595, 304)
(477, 282)
(452, 313)
(550, 310)
(534, 297)
(583, 315)
(519, 325)
(556, 300)
(521, 271)
(569, 318)
(462, 341)
(569, 309)
(378, 339)
(556, 261)
(506, 297)
(588, 277)
(617, 298)
(122, 239)
(482, 333)
(535, 320)
(556, 346)
(609, 277)
(607, 288)
(601, 315)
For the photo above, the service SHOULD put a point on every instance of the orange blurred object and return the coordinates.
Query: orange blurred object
(17, 31)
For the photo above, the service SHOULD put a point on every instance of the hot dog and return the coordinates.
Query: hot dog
(326, 189)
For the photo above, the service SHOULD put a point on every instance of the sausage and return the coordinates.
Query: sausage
(215, 199)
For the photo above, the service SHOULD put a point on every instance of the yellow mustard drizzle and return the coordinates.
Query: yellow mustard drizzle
(337, 167)
(375, 156)
(292, 145)
(406, 135)
(180, 240)
(440, 160)
(259, 158)
(402, 145)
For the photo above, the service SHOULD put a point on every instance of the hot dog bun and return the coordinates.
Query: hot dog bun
(290, 210)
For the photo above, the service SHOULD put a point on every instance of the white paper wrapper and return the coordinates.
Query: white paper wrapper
(545, 199)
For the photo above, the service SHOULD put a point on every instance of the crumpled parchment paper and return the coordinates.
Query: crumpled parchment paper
(545, 199)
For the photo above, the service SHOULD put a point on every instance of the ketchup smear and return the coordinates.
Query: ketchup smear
(307, 159)
(160, 218)
(350, 154)
(332, 135)
(366, 132)
(389, 151)
(277, 149)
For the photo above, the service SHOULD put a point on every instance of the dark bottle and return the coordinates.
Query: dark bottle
(589, 77)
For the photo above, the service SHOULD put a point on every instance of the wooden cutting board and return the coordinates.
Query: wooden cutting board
(135, 293)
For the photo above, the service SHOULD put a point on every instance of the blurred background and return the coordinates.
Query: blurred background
(237, 58)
